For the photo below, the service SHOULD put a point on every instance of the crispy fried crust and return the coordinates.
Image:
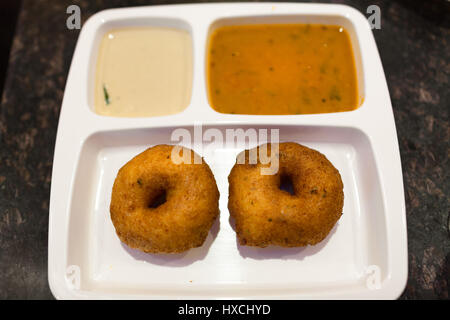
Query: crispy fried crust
(183, 221)
(266, 215)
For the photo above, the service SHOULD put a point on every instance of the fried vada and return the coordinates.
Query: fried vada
(161, 206)
(296, 206)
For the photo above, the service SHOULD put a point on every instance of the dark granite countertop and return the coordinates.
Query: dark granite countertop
(415, 51)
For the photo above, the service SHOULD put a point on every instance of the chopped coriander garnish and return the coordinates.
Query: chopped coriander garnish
(105, 93)
(334, 94)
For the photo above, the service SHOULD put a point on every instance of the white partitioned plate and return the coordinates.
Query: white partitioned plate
(363, 257)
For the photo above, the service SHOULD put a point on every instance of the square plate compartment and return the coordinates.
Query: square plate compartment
(362, 144)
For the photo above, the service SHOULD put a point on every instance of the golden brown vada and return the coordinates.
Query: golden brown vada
(159, 206)
(301, 215)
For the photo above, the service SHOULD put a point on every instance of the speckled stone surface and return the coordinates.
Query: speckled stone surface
(414, 47)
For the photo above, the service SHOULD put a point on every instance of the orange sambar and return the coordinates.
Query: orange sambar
(281, 69)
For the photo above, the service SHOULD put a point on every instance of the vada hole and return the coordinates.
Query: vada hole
(159, 200)
(286, 184)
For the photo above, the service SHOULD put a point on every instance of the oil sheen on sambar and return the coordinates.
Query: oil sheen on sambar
(281, 69)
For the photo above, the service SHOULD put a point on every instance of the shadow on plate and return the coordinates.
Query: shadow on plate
(275, 252)
(177, 259)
